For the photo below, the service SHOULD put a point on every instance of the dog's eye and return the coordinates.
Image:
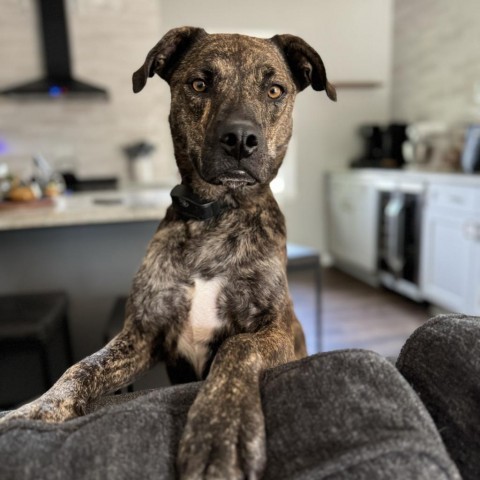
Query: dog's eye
(199, 85)
(275, 91)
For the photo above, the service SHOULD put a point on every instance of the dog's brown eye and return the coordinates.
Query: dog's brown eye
(275, 91)
(199, 85)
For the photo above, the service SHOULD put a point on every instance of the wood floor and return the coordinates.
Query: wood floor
(354, 315)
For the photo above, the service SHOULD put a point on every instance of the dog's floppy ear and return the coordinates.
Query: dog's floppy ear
(165, 55)
(305, 64)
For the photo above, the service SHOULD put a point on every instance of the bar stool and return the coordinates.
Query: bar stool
(302, 258)
(35, 347)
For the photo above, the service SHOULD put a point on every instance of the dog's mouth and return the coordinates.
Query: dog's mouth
(235, 179)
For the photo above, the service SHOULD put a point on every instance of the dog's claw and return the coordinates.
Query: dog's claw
(223, 440)
(216, 460)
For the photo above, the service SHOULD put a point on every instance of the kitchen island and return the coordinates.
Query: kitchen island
(89, 245)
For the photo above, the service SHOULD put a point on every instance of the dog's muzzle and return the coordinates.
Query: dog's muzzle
(235, 151)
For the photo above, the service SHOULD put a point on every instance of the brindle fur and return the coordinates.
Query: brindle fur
(245, 246)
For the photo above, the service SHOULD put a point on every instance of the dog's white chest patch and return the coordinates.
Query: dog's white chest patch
(202, 322)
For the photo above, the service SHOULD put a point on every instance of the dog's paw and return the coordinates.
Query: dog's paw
(224, 437)
(47, 408)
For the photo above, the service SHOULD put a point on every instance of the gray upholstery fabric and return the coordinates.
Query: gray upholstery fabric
(441, 360)
(338, 415)
(349, 414)
(135, 439)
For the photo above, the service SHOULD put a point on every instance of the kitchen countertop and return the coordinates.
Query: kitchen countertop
(99, 207)
(386, 175)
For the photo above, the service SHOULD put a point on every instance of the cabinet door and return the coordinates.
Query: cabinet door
(475, 286)
(341, 217)
(353, 223)
(446, 265)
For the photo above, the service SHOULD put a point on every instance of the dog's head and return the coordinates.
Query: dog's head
(232, 100)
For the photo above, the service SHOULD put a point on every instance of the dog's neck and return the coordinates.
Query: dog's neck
(202, 201)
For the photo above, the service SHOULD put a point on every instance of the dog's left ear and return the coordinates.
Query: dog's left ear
(166, 54)
(305, 64)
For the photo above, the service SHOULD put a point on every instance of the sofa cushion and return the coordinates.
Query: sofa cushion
(338, 415)
(442, 363)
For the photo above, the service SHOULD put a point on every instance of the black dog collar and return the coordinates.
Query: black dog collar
(189, 205)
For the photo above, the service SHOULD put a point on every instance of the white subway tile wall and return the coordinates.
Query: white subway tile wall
(436, 60)
(109, 40)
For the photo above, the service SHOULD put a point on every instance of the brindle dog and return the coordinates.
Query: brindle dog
(211, 296)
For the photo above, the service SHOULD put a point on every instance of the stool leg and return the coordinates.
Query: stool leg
(47, 378)
(68, 341)
(318, 306)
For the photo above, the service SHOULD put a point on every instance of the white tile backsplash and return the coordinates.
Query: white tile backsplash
(109, 40)
(436, 59)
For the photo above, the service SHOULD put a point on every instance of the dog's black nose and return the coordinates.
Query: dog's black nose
(239, 139)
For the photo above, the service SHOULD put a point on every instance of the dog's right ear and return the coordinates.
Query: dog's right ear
(164, 56)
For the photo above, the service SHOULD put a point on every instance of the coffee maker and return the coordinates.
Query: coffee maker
(382, 146)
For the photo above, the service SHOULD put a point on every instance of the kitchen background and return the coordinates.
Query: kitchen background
(393, 62)
(420, 57)
(109, 40)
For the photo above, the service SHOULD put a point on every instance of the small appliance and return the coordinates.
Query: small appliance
(382, 146)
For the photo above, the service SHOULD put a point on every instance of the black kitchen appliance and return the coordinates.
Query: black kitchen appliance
(58, 80)
(399, 239)
(382, 146)
(471, 150)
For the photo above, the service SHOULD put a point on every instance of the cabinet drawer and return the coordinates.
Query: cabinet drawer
(458, 198)
(477, 200)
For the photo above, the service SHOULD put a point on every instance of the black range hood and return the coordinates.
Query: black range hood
(58, 81)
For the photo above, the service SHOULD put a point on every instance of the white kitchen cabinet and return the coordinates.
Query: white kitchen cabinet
(475, 287)
(353, 207)
(446, 260)
(450, 266)
(449, 234)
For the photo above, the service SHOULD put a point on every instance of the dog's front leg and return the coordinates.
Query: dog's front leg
(225, 432)
(114, 366)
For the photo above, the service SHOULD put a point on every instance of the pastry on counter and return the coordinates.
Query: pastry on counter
(25, 193)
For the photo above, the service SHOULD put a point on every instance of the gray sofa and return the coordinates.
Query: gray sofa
(339, 415)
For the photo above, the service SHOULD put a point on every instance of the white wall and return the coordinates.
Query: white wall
(354, 39)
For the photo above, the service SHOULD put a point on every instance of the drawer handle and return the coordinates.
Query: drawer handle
(471, 231)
